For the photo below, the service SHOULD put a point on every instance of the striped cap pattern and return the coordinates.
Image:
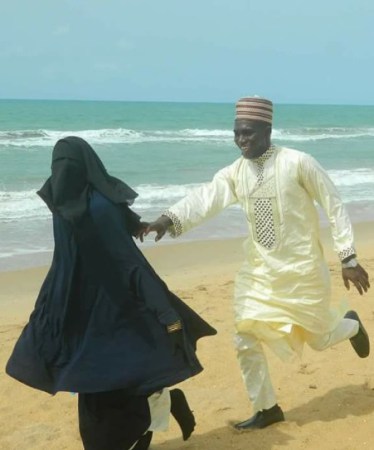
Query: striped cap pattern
(254, 108)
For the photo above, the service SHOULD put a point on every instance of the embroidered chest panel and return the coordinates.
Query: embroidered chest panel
(263, 205)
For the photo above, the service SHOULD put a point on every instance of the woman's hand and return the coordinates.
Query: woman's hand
(141, 230)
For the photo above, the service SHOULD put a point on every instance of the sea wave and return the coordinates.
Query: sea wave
(27, 205)
(354, 185)
(47, 138)
(318, 134)
(17, 205)
(354, 177)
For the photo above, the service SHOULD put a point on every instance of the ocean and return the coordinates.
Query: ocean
(163, 150)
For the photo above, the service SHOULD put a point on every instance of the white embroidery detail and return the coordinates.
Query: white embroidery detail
(263, 205)
(176, 229)
(346, 252)
(264, 222)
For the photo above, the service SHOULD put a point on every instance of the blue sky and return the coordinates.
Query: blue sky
(201, 50)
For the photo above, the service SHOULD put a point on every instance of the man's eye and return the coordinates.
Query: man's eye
(243, 134)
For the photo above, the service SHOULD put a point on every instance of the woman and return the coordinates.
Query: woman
(104, 324)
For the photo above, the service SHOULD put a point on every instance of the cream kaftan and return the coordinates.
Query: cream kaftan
(283, 286)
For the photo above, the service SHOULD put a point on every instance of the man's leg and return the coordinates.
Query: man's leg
(182, 413)
(174, 402)
(256, 378)
(350, 327)
(360, 341)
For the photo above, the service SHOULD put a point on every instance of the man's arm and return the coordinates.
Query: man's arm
(201, 204)
(321, 188)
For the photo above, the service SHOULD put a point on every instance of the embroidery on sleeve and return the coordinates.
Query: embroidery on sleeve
(176, 229)
(346, 252)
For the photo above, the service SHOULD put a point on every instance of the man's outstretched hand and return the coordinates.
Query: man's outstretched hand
(160, 226)
(357, 276)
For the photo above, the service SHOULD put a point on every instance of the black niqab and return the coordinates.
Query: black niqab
(75, 168)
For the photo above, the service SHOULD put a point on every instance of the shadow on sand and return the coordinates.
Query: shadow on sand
(337, 404)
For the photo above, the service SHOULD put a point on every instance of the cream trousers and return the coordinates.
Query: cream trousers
(254, 365)
(159, 407)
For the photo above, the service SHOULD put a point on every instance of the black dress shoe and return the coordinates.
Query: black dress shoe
(360, 342)
(182, 413)
(144, 442)
(262, 419)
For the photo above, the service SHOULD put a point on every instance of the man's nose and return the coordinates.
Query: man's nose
(242, 138)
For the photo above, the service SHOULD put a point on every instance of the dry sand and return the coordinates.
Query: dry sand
(328, 397)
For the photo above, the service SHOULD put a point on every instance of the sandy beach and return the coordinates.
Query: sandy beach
(328, 397)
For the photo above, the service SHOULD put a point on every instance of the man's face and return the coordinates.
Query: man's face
(252, 137)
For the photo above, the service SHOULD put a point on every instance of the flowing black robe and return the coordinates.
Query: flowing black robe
(99, 322)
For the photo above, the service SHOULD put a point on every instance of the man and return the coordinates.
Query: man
(282, 291)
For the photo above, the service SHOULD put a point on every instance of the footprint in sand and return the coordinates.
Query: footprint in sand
(201, 288)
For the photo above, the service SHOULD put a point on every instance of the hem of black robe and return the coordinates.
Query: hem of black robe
(145, 389)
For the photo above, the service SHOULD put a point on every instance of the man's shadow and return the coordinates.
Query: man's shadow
(337, 404)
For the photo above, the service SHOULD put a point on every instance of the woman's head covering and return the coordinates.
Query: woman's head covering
(254, 108)
(75, 168)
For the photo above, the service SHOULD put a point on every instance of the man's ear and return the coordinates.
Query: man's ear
(267, 135)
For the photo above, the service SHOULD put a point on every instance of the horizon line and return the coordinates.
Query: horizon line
(179, 101)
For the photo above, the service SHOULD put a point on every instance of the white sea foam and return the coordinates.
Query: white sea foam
(151, 195)
(19, 205)
(24, 251)
(317, 134)
(47, 138)
(354, 185)
(27, 205)
(354, 177)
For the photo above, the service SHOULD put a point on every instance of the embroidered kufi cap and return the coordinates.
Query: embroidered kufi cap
(254, 108)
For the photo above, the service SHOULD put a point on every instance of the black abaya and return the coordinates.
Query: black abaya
(100, 320)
